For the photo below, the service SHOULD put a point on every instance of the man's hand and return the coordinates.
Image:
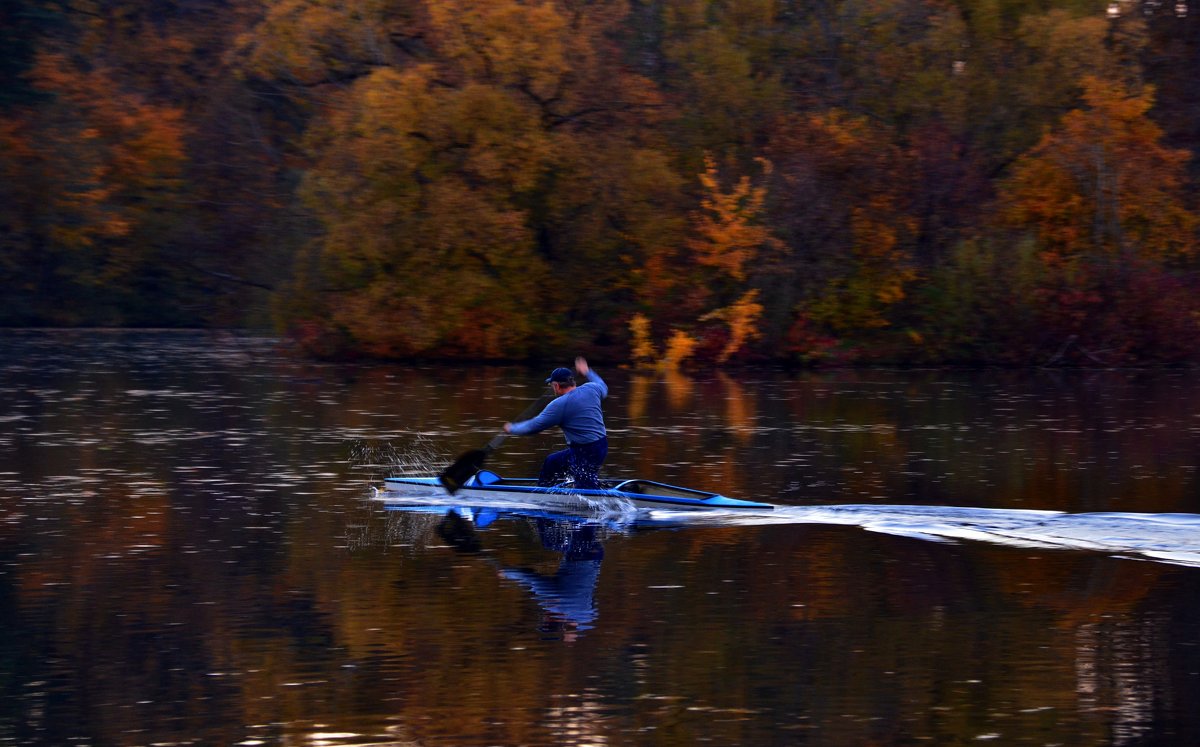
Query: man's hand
(508, 427)
(581, 366)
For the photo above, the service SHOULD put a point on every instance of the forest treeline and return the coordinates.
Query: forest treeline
(830, 181)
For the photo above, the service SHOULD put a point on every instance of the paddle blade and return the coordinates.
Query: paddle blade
(458, 473)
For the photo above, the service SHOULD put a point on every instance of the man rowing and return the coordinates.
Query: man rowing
(576, 410)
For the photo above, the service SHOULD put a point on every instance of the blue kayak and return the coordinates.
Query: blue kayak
(487, 485)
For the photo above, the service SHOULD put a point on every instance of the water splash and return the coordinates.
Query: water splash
(418, 457)
(615, 508)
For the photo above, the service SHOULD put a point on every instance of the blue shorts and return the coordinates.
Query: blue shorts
(580, 462)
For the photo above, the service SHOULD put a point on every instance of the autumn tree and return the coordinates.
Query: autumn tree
(484, 145)
(93, 175)
(1103, 184)
(1105, 201)
(137, 186)
(424, 249)
(702, 293)
(840, 203)
(969, 180)
(719, 63)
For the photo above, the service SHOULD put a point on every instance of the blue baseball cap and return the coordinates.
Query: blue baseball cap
(561, 375)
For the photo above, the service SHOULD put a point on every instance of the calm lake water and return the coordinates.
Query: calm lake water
(191, 553)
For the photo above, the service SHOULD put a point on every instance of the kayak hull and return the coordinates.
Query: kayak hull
(488, 486)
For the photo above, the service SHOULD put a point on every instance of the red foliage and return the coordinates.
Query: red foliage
(806, 343)
(1138, 312)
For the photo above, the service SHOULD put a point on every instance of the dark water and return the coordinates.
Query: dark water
(189, 554)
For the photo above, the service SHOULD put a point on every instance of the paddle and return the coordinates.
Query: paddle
(453, 477)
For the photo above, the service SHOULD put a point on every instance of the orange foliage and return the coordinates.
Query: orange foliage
(452, 155)
(642, 346)
(728, 240)
(741, 317)
(1103, 182)
(114, 153)
(728, 235)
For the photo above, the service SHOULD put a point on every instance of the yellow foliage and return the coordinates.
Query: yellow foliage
(729, 239)
(643, 347)
(644, 353)
(727, 236)
(678, 349)
(505, 43)
(415, 186)
(310, 42)
(742, 319)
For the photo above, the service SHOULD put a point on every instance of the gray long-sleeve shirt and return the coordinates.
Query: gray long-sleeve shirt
(577, 412)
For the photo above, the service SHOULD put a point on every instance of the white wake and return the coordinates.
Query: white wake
(1169, 538)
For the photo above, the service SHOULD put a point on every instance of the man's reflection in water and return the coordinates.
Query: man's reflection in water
(567, 597)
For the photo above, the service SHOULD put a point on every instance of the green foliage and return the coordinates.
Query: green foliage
(979, 305)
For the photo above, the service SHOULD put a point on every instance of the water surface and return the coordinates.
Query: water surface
(190, 554)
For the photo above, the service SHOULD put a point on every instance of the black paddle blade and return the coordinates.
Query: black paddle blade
(458, 473)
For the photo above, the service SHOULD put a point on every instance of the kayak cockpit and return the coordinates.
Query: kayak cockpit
(486, 482)
(649, 487)
(487, 478)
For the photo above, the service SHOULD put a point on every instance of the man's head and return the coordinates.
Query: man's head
(561, 380)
